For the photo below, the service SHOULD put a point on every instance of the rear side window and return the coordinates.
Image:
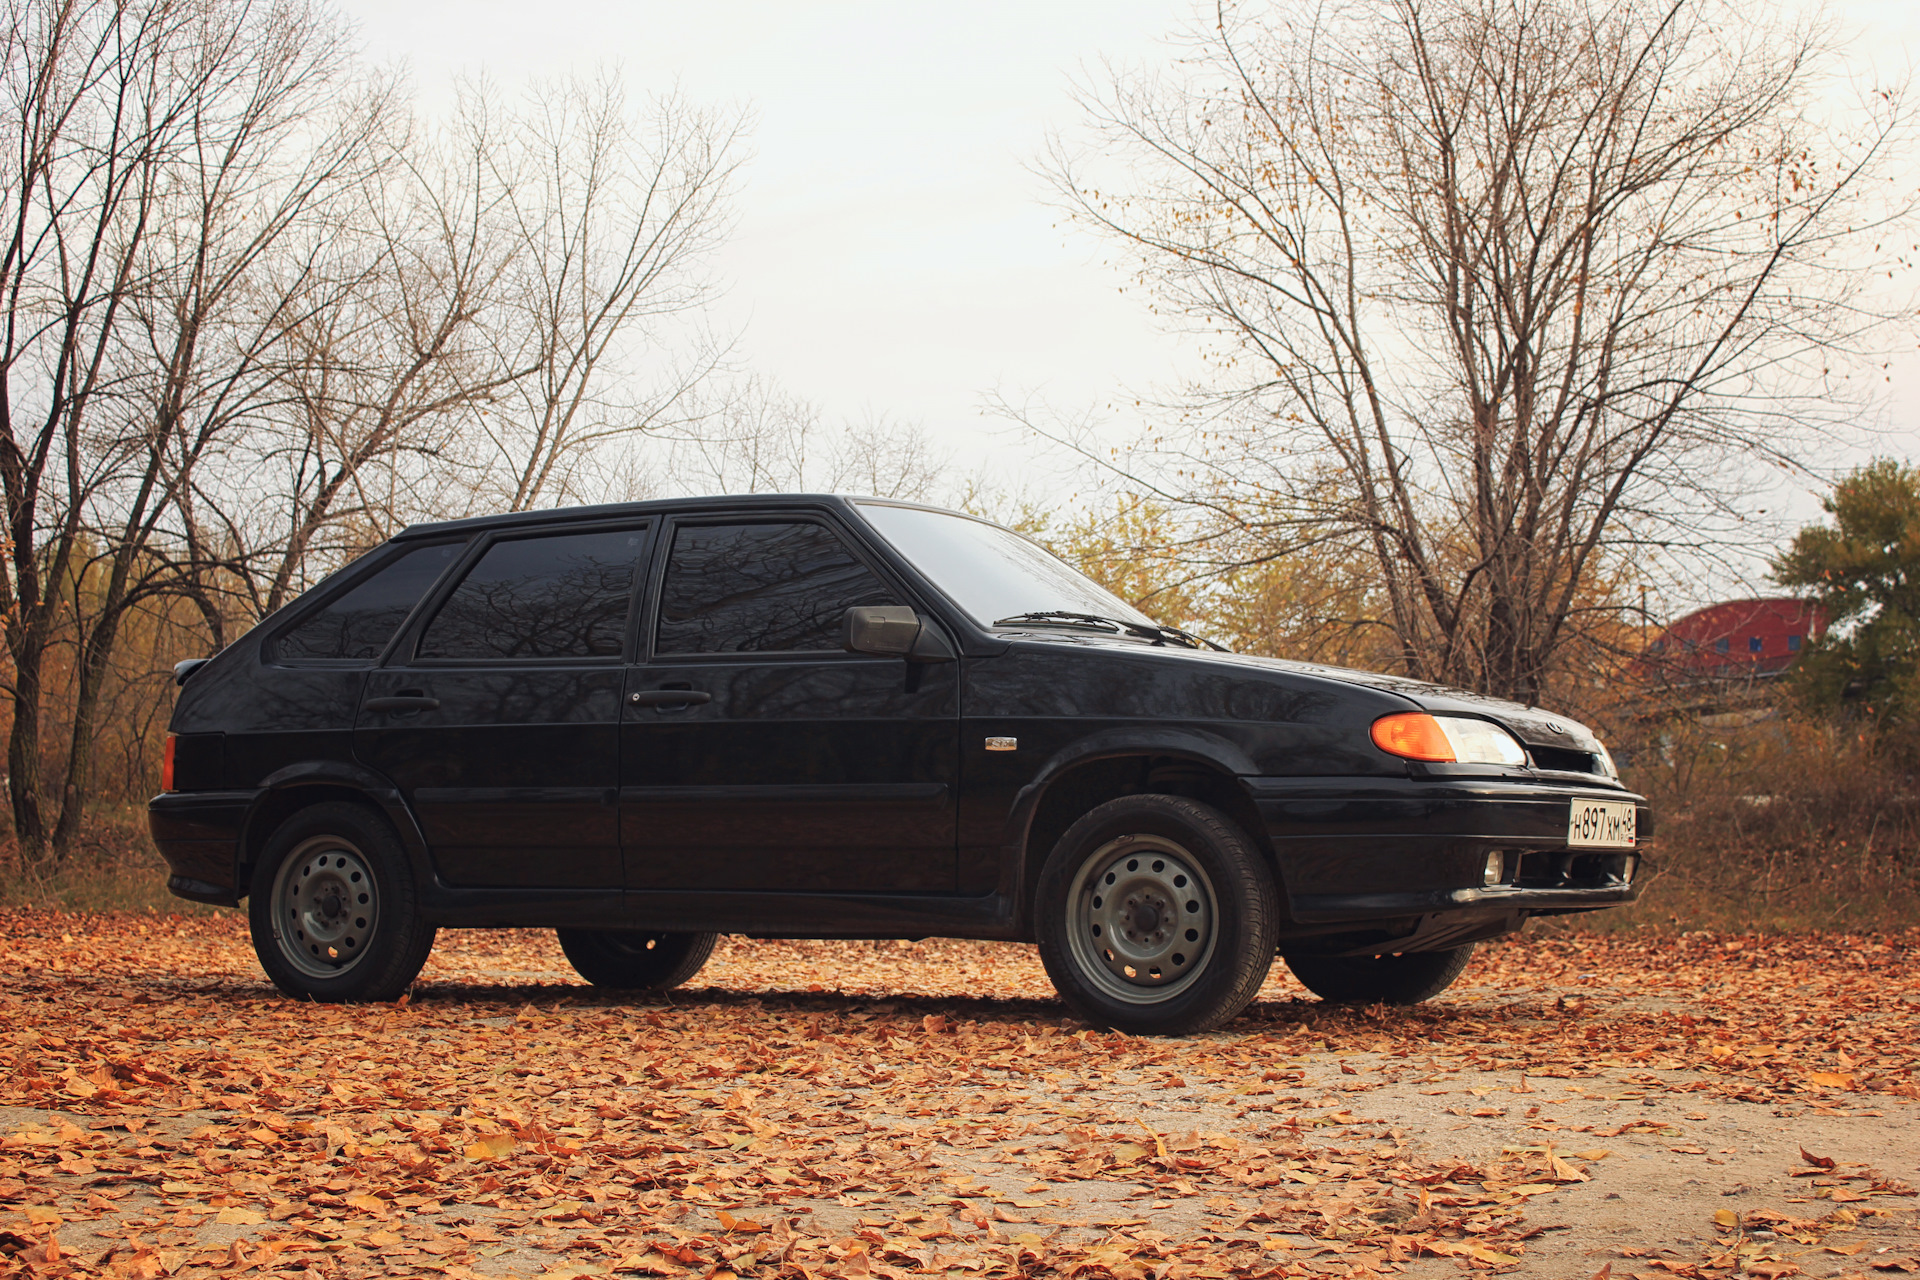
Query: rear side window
(756, 588)
(359, 623)
(559, 596)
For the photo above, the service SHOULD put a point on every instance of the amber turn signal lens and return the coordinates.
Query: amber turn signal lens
(166, 766)
(1413, 735)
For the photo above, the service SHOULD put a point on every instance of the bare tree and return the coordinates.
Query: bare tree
(1500, 290)
(252, 318)
(165, 153)
(506, 279)
(750, 436)
(381, 380)
(611, 214)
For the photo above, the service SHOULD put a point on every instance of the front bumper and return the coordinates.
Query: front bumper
(1377, 850)
(198, 833)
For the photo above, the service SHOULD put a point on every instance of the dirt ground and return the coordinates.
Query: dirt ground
(1578, 1105)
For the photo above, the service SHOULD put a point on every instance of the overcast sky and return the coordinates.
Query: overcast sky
(893, 254)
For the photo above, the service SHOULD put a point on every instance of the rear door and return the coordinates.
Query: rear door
(789, 764)
(299, 708)
(501, 724)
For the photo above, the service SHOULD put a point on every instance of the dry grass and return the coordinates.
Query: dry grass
(116, 868)
(1782, 825)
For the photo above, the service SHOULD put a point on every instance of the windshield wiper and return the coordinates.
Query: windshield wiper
(1144, 630)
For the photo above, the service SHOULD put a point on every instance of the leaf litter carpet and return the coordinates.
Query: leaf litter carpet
(1579, 1105)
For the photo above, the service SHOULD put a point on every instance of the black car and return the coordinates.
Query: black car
(818, 717)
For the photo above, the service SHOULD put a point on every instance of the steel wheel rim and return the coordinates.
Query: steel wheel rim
(326, 907)
(629, 943)
(1141, 919)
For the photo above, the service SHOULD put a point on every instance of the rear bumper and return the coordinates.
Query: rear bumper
(1377, 851)
(198, 833)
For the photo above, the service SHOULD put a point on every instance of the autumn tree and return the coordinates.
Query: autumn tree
(1498, 291)
(1864, 570)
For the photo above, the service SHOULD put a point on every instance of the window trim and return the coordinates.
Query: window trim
(407, 653)
(647, 653)
(305, 609)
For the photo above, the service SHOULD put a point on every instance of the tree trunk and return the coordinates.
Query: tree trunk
(23, 745)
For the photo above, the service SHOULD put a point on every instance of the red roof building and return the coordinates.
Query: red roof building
(1737, 640)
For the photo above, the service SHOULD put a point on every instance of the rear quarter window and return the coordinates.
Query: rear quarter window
(358, 624)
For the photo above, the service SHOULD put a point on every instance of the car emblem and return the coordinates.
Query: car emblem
(1557, 728)
(1003, 744)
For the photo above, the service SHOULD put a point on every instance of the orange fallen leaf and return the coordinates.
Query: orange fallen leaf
(490, 1146)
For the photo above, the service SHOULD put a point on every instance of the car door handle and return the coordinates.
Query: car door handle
(404, 702)
(669, 697)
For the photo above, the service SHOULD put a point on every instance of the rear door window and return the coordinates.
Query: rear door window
(768, 586)
(358, 624)
(554, 596)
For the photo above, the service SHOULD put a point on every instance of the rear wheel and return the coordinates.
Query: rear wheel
(1156, 916)
(635, 959)
(332, 907)
(1407, 978)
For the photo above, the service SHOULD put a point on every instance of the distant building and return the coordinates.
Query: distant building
(1737, 640)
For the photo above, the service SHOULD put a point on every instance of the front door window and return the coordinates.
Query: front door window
(790, 765)
(760, 588)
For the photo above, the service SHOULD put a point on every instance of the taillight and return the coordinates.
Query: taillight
(1413, 735)
(166, 765)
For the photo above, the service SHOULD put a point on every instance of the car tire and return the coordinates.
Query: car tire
(1156, 916)
(333, 909)
(635, 959)
(1407, 978)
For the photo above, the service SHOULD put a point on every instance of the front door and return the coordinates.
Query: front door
(501, 726)
(789, 764)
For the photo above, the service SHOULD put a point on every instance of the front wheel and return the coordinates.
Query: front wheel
(1156, 916)
(332, 907)
(635, 959)
(1407, 978)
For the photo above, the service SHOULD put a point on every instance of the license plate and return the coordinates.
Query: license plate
(1602, 824)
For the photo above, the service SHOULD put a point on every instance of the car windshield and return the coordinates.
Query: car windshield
(991, 572)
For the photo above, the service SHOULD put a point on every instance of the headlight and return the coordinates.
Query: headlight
(1605, 757)
(1415, 735)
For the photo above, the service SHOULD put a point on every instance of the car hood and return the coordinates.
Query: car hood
(1532, 725)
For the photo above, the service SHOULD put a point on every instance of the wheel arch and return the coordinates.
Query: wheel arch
(1076, 782)
(301, 787)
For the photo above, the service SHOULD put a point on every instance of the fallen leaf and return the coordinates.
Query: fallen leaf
(490, 1146)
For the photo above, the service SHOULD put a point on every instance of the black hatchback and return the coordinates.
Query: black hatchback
(818, 717)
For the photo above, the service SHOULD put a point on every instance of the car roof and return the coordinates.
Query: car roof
(743, 502)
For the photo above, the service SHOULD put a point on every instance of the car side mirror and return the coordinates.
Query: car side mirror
(892, 631)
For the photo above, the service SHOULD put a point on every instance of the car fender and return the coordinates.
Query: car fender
(277, 786)
(1196, 745)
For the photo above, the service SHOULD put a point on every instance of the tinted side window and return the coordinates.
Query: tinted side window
(746, 588)
(359, 623)
(560, 596)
